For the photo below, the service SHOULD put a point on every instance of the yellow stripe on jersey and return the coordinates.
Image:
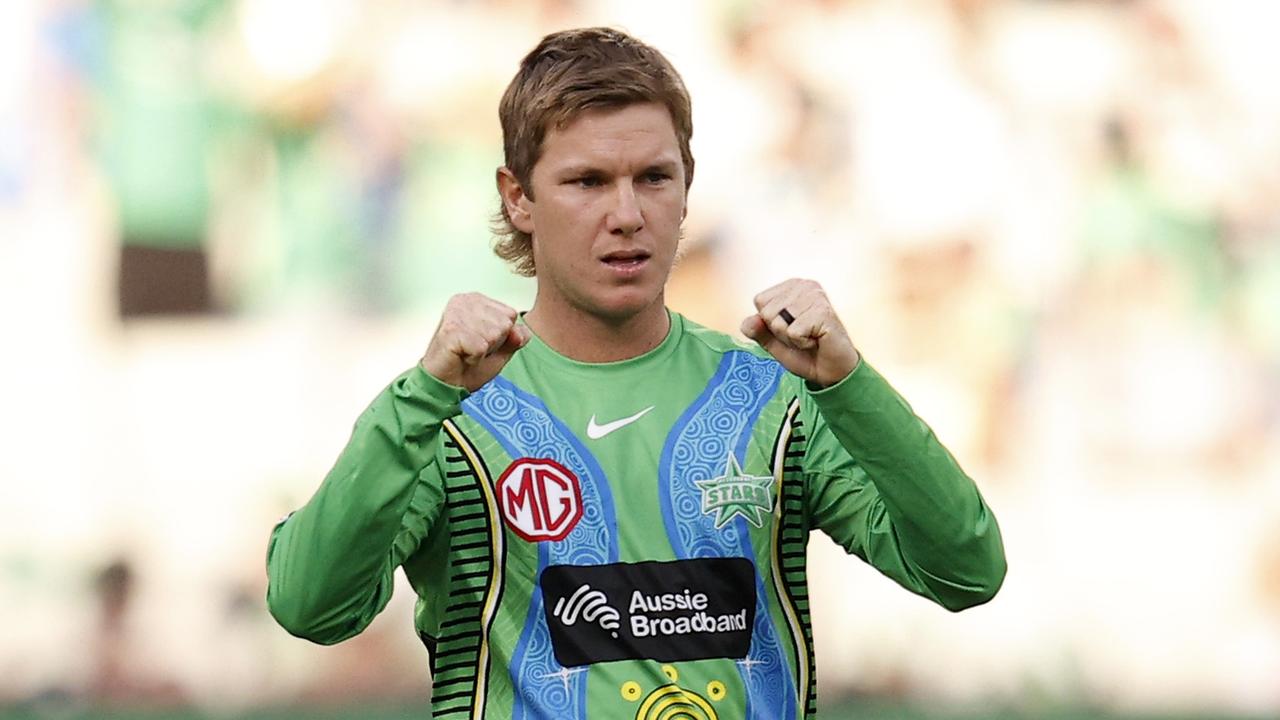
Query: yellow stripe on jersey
(495, 576)
(779, 587)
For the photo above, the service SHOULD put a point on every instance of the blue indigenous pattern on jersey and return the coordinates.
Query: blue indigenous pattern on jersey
(717, 424)
(526, 429)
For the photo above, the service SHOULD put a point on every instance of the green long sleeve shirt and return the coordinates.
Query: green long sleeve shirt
(627, 539)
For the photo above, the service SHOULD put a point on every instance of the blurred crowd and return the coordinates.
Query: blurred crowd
(1054, 225)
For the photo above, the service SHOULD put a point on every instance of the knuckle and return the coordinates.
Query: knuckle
(499, 323)
(469, 300)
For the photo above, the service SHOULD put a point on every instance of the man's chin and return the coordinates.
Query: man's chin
(624, 307)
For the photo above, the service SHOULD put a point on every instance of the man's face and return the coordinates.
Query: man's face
(610, 199)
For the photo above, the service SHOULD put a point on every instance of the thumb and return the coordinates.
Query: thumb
(757, 329)
(517, 337)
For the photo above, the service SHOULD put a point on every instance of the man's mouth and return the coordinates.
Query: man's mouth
(625, 259)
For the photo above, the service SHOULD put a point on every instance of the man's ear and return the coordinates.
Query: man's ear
(517, 202)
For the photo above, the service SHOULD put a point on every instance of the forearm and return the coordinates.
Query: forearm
(926, 511)
(330, 564)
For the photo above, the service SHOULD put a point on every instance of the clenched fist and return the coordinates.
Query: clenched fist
(795, 323)
(476, 337)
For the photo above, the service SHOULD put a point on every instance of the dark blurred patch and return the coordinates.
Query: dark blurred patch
(163, 281)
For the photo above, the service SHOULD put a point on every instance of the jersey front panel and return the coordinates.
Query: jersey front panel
(625, 540)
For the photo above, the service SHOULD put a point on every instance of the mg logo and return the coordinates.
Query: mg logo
(540, 499)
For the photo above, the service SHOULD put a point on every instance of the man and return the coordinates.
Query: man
(603, 507)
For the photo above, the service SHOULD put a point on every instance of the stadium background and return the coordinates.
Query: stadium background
(1054, 225)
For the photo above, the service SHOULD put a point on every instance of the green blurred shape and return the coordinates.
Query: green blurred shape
(444, 238)
(155, 117)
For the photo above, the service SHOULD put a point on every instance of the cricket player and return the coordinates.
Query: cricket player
(602, 506)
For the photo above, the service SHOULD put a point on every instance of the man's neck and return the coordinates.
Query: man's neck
(587, 338)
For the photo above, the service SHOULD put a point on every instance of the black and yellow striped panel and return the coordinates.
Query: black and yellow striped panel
(460, 665)
(792, 541)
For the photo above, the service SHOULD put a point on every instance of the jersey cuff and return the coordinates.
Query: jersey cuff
(442, 395)
(817, 391)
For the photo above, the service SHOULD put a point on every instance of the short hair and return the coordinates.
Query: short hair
(570, 72)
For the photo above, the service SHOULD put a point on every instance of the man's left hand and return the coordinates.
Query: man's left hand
(795, 323)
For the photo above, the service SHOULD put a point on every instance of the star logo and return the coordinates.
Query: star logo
(736, 493)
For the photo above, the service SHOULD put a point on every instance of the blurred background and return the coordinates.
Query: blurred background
(1053, 225)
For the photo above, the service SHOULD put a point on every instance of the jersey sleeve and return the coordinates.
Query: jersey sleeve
(883, 487)
(330, 564)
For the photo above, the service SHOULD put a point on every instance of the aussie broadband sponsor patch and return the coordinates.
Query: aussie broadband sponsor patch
(666, 611)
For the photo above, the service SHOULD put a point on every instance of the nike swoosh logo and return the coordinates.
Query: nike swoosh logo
(595, 432)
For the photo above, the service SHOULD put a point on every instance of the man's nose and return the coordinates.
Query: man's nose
(626, 218)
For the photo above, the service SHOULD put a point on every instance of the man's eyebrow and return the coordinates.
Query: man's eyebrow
(666, 166)
(579, 169)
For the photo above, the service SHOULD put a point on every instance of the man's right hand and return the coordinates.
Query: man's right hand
(476, 337)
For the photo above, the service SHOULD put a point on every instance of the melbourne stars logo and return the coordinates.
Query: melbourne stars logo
(736, 493)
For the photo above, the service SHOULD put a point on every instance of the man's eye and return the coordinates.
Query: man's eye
(655, 178)
(587, 181)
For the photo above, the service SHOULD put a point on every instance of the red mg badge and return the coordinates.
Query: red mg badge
(540, 499)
